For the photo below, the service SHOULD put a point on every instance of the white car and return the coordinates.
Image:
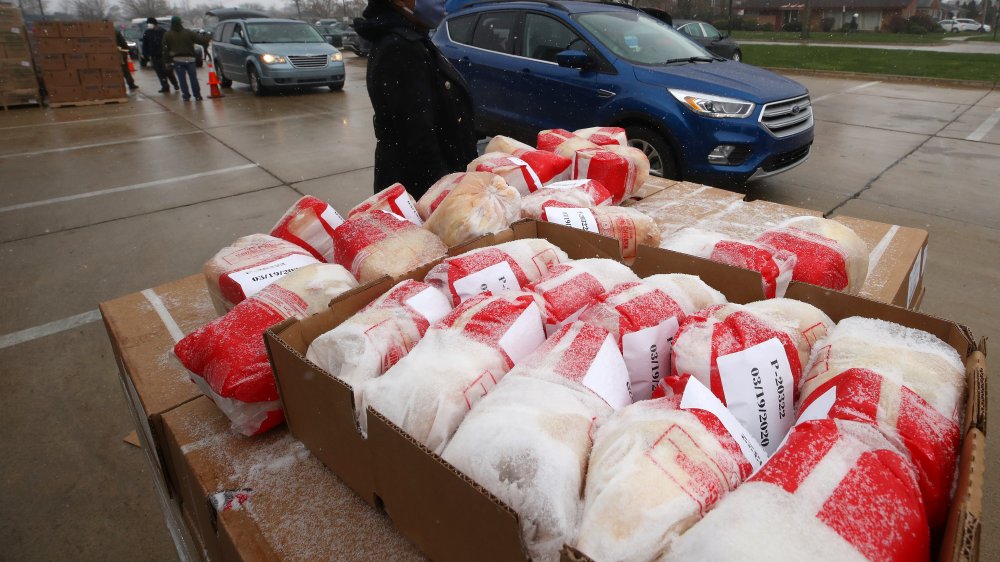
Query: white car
(964, 24)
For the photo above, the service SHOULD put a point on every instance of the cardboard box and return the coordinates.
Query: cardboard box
(75, 61)
(20, 97)
(51, 62)
(19, 51)
(897, 263)
(89, 77)
(112, 79)
(101, 29)
(12, 33)
(59, 78)
(112, 92)
(97, 45)
(55, 46)
(64, 94)
(70, 29)
(92, 92)
(46, 29)
(105, 61)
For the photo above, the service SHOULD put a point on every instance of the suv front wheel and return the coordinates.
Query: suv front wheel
(661, 157)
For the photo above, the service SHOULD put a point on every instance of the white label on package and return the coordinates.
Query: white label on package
(524, 335)
(758, 387)
(647, 355)
(608, 376)
(580, 218)
(698, 396)
(568, 184)
(820, 407)
(256, 278)
(404, 203)
(430, 303)
(331, 217)
(495, 278)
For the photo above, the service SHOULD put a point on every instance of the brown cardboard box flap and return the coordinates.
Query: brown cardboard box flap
(961, 539)
(741, 285)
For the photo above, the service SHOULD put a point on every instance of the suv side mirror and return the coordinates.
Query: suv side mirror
(238, 41)
(573, 59)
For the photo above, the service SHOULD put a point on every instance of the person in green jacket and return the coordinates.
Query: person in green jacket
(178, 50)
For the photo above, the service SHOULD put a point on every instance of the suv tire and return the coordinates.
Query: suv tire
(662, 162)
(223, 81)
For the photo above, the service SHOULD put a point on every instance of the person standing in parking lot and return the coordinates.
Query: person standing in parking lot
(423, 111)
(152, 49)
(178, 51)
(123, 47)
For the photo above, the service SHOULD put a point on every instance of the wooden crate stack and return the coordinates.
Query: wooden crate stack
(80, 63)
(18, 82)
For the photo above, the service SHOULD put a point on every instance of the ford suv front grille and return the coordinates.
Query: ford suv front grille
(308, 61)
(787, 117)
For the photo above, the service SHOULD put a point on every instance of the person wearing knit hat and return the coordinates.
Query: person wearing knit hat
(152, 49)
(179, 52)
(423, 110)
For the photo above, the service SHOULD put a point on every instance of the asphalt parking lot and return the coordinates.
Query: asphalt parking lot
(102, 201)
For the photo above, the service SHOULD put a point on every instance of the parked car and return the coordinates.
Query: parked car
(330, 34)
(133, 38)
(269, 53)
(354, 42)
(572, 64)
(963, 24)
(138, 25)
(706, 35)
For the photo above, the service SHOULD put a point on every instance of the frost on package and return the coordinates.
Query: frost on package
(431, 304)
(647, 356)
(495, 278)
(759, 391)
(698, 396)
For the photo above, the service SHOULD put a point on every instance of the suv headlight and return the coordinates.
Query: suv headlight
(268, 58)
(713, 106)
(336, 57)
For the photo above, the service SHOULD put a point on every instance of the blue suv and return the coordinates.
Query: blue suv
(545, 64)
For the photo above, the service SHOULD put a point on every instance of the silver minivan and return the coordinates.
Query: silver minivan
(271, 53)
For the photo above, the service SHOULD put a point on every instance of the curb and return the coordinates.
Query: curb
(888, 77)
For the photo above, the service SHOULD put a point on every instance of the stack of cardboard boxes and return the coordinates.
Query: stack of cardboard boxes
(80, 62)
(18, 83)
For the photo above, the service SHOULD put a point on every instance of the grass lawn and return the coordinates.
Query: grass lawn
(836, 37)
(955, 66)
(984, 37)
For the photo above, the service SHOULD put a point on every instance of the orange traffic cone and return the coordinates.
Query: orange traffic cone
(213, 82)
(131, 67)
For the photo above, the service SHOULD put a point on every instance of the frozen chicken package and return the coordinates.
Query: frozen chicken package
(563, 143)
(393, 199)
(829, 254)
(514, 171)
(617, 173)
(481, 203)
(625, 224)
(533, 206)
(460, 358)
(603, 136)
(689, 291)
(367, 344)
(436, 194)
(595, 190)
(510, 266)
(378, 243)
(568, 288)
(836, 490)
(549, 166)
(251, 263)
(528, 440)
(228, 357)
(309, 224)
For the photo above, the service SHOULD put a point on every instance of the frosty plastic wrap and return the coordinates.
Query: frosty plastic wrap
(482, 203)
(309, 224)
(528, 440)
(828, 253)
(835, 491)
(643, 320)
(548, 165)
(436, 194)
(374, 244)
(393, 199)
(367, 344)
(603, 136)
(501, 143)
(638, 159)
(228, 355)
(804, 323)
(532, 206)
(568, 288)
(629, 226)
(689, 291)
(655, 470)
(775, 266)
(616, 173)
(251, 263)
(459, 360)
(514, 171)
(907, 382)
(550, 139)
(599, 195)
(510, 266)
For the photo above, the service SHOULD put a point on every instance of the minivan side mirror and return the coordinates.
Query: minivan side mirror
(573, 59)
(238, 41)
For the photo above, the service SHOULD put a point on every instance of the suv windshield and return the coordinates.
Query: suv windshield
(283, 32)
(639, 38)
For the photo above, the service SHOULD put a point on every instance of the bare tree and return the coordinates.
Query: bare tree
(145, 8)
(93, 9)
(33, 6)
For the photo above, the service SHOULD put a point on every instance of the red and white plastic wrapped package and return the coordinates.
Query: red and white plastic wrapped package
(430, 200)
(461, 357)
(228, 357)
(514, 171)
(829, 254)
(625, 224)
(907, 382)
(836, 490)
(511, 266)
(548, 165)
(598, 194)
(643, 321)
(638, 158)
(251, 263)
(550, 139)
(657, 467)
(508, 145)
(309, 224)
(568, 288)
(603, 136)
(369, 343)
(393, 199)
(482, 203)
(532, 206)
(775, 266)
(689, 291)
(616, 173)
(378, 243)
(538, 424)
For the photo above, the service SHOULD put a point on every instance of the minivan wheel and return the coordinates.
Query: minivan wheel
(656, 148)
(223, 81)
(255, 86)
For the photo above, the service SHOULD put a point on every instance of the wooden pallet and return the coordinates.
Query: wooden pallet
(19, 98)
(84, 103)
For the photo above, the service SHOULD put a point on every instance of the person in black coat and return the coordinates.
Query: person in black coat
(152, 49)
(423, 111)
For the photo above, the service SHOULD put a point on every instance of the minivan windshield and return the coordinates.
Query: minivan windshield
(641, 39)
(282, 32)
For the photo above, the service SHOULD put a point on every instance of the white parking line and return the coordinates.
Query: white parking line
(85, 120)
(985, 128)
(49, 329)
(132, 187)
(848, 91)
(98, 144)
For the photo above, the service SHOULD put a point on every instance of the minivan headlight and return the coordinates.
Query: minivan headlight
(268, 58)
(336, 57)
(713, 106)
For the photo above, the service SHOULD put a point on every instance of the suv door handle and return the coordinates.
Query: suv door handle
(602, 93)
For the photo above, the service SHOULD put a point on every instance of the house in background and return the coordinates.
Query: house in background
(872, 14)
(933, 8)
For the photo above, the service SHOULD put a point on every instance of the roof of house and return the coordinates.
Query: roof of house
(800, 4)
